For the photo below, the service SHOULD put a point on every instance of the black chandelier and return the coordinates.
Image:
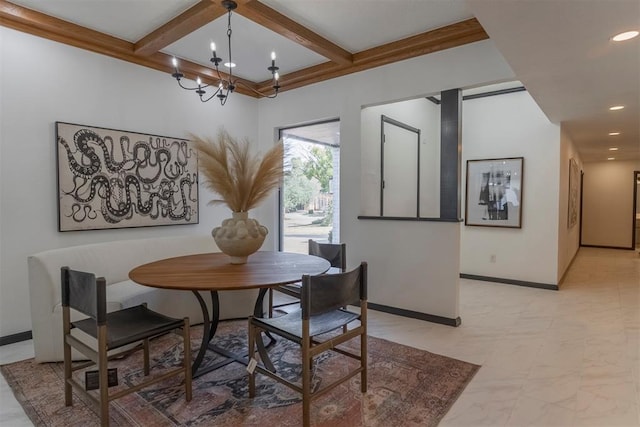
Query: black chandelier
(224, 86)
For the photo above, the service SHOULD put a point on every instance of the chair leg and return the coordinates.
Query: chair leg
(145, 351)
(345, 328)
(66, 319)
(251, 346)
(270, 302)
(313, 366)
(306, 383)
(103, 377)
(186, 335)
(363, 362)
(363, 346)
(68, 396)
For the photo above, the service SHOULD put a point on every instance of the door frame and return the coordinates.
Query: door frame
(581, 203)
(280, 130)
(385, 119)
(636, 176)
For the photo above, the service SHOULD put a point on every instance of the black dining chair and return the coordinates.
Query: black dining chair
(115, 330)
(318, 327)
(335, 253)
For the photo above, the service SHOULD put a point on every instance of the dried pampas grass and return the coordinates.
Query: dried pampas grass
(240, 178)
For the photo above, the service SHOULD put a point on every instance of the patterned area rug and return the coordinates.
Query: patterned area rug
(407, 387)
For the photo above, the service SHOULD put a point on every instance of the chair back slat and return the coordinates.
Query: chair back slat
(84, 293)
(327, 292)
(336, 254)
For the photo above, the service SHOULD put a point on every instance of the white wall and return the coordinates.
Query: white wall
(42, 82)
(568, 238)
(421, 114)
(413, 265)
(608, 203)
(512, 125)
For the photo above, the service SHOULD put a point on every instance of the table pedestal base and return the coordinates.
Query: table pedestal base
(210, 325)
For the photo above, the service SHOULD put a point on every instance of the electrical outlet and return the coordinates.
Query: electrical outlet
(492, 258)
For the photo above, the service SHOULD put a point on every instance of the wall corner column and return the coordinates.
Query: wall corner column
(450, 153)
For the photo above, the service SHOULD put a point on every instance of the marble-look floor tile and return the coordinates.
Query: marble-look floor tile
(484, 403)
(561, 391)
(537, 413)
(17, 351)
(596, 409)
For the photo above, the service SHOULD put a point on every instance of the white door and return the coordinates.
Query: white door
(400, 171)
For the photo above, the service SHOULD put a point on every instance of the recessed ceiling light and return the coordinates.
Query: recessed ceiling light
(613, 149)
(614, 133)
(627, 35)
(611, 158)
(616, 107)
(229, 64)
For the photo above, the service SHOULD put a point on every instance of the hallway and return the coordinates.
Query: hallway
(549, 358)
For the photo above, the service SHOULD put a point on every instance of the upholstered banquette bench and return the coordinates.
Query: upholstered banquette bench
(113, 261)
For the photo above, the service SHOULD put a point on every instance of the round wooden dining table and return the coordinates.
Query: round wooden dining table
(213, 272)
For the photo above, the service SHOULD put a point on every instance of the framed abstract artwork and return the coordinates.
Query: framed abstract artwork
(494, 192)
(574, 186)
(110, 178)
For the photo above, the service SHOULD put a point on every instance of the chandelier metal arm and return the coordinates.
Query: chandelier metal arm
(193, 88)
(216, 93)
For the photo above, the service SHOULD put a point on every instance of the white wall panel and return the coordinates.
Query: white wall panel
(416, 264)
(568, 238)
(512, 125)
(608, 203)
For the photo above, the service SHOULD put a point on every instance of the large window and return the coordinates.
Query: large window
(310, 197)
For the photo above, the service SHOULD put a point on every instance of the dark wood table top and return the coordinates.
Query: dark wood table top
(213, 272)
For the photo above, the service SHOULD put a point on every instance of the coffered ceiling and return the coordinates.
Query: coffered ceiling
(560, 50)
(314, 40)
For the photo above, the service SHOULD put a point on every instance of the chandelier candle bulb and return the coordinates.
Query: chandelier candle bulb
(220, 94)
(214, 56)
(200, 91)
(176, 73)
(273, 67)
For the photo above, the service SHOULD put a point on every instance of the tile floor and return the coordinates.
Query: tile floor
(565, 358)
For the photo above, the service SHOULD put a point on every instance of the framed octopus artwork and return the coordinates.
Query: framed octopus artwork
(111, 178)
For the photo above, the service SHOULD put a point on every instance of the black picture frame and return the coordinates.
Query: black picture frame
(110, 179)
(494, 192)
(574, 193)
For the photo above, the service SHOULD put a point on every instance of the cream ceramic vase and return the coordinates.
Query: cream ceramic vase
(239, 236)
